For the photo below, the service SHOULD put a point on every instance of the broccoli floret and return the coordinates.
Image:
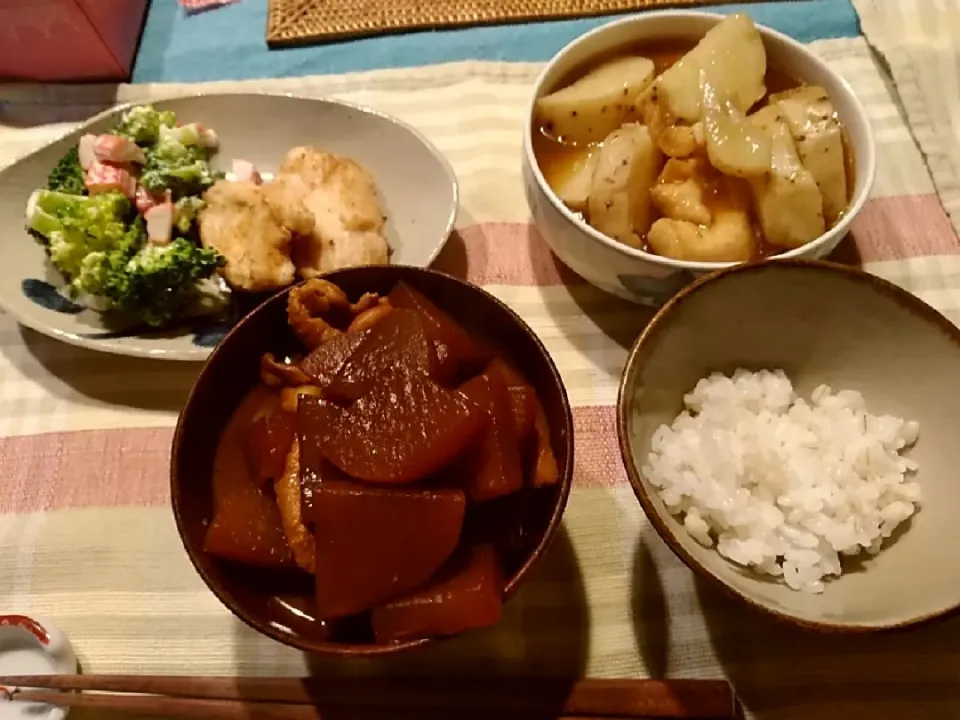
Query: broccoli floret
(99, 268)
(172, 165)
(142, 124)
(185, 212)
(107, 259)
(67, 175)
(75, 226)
(187, 135)
(160, 282)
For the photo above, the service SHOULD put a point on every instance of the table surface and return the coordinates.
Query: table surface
(228, 43)
(86, 534)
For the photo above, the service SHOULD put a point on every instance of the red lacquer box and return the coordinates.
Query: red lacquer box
(69, 39)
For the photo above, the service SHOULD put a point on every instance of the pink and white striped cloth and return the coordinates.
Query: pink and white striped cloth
(87, 537)
(196, 6)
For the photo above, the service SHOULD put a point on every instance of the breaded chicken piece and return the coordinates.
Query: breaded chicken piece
(706, 215)
(348, 217)
(252, 227)
(682, 190)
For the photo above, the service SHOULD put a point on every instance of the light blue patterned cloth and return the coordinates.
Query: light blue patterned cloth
(228, 43)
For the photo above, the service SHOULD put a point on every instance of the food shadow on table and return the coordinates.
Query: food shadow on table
(620, 320)
(66, 371)
(847, 252)
(650, 610)
(544, 631)
(784, 672)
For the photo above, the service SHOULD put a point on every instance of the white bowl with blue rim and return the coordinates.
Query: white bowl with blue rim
(632, 273)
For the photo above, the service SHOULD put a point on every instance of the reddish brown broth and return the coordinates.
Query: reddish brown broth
(554, 157)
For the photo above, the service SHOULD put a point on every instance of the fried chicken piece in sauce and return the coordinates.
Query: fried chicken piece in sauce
(275, 373)
(252, 226)
(312, 310)
(287, 489)
(348, 216)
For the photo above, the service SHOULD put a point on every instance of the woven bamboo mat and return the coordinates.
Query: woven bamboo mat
(297, 22)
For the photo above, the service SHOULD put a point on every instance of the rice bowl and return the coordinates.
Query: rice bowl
(780, 485)
(822, 324)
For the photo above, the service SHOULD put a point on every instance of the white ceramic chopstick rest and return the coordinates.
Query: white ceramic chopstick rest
(33, 646)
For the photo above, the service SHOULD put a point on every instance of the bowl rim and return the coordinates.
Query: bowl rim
(123, 347)
(868, 171)
(637, 481)
(332, 649)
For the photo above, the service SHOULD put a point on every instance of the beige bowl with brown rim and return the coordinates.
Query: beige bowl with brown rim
(821, 323)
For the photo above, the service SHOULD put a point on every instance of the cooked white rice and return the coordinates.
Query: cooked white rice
(780, 484)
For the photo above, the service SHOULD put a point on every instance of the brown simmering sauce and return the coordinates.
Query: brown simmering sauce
(555, 158)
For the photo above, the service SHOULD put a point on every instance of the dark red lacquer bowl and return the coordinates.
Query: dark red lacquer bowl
(278, 609)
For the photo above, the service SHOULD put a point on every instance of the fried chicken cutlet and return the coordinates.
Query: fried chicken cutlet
(252, 227)
(347, 213)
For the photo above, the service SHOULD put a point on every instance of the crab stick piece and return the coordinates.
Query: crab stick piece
(101, 178)
(244, 171)
(144, 199)
(206, 137)
(85, 150)
(159, 221)
(116, 149)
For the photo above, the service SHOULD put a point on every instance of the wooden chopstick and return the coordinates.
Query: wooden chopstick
(172, 706)
(300, 697)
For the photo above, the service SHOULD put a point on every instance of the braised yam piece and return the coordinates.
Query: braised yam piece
(246, 522)
(268, 441)
(314, 414)
(396, 344)
(523, 399)
(491, 467)
(246, 529)
(545, 469)
(467, 594)
(375, 544)
(310, 480)
(405, 428)
(312, 417)
(455, 349)
(325, 361)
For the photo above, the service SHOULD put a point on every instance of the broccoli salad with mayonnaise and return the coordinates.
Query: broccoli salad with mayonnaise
(118, 220)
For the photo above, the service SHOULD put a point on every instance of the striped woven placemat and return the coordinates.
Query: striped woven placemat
(297, 22)
(87, 538)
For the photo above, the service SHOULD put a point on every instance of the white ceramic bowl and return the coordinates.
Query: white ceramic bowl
(644, 277)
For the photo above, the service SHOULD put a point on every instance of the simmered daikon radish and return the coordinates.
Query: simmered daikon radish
(734, 51)
(818, 135)
(627, 167)
(788, 201)
(598, 103)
